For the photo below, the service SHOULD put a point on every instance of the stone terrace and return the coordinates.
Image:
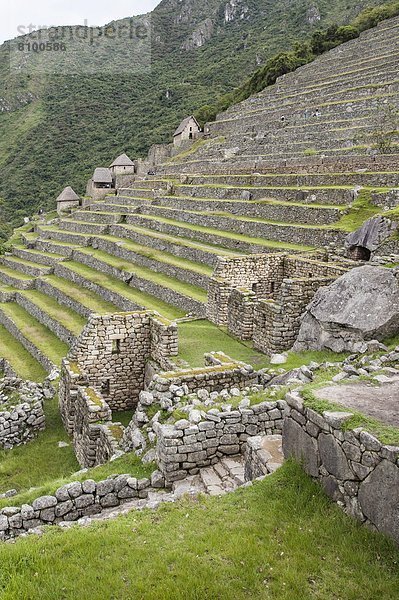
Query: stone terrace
(250, 187)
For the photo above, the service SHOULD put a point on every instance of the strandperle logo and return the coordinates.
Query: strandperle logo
(120, 47)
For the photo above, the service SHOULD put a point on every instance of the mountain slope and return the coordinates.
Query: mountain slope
(54, 129)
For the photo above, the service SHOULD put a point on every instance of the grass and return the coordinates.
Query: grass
(281, 538)
(41, 467)
(15, 274)
(20, 359)
(85, 297)
(199, 337)
(181, 241)
(115, 285)
(385, 433)
(64, 315)
(40, 461)
(187, 289)
(35, 332)
(165, 257)
(226, 234)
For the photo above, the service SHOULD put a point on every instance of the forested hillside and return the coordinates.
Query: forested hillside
(54, 129)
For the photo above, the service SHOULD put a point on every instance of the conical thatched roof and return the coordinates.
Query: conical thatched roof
(68, 195)
(102, 175)
(123, 161)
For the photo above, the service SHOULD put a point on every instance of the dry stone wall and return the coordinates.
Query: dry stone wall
(262, 297)
(70, 503)
(354, 467)
(21, 410)
(184, 448)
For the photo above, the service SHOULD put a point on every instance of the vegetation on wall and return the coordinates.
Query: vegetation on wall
(55, 129)
(302, 53)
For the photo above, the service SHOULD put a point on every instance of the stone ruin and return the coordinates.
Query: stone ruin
(21, 408)
(261, 297)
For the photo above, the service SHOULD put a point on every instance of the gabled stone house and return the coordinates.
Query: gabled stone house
(188, 129)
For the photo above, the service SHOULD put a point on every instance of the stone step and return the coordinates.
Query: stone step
(81, 300)
(36, 338)
(182, 247)
(99, 217)
(37, 256)
(114, 290)
(333, 85)
(24, 266)
(64, 322)
(308, 235)
(16, 278)
(265, 209)
(129, 206)
(63, 236)
(238, 242)
(185, 296)
(347, 180)
(85, 228)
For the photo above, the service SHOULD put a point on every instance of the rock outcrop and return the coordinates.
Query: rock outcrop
(361, 305)
(369, 237)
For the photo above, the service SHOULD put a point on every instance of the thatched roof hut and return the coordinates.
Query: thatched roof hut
(68, 195)
(122, 161)
(102, 176)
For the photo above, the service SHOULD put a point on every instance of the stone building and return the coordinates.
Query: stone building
(188, 129)
(122, 165)
(100, 184)
(261, 297)
(67, 200)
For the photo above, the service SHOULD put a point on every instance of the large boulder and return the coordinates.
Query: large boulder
(361, 305)
(363, 242)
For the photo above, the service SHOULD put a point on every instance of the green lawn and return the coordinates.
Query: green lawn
(198, 337)
(64, 315)
(116, 285)
(48, 343)
(21, 361)
(280, 539)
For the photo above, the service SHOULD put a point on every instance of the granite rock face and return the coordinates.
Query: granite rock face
(371, 234)
(361, 305)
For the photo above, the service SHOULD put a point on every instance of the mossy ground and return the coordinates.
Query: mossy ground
(281, 539)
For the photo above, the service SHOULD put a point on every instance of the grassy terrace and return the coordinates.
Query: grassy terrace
(182, 287)
(233, 217)
(24, 263)
(116, 285)
(262, 201)
(87, 298)
(158, 255)
(64, 315)
(35, 332)
(281, 538)
(181, 241)
(21, 361)
(199, 337)
(14, 273)
(227, 234)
